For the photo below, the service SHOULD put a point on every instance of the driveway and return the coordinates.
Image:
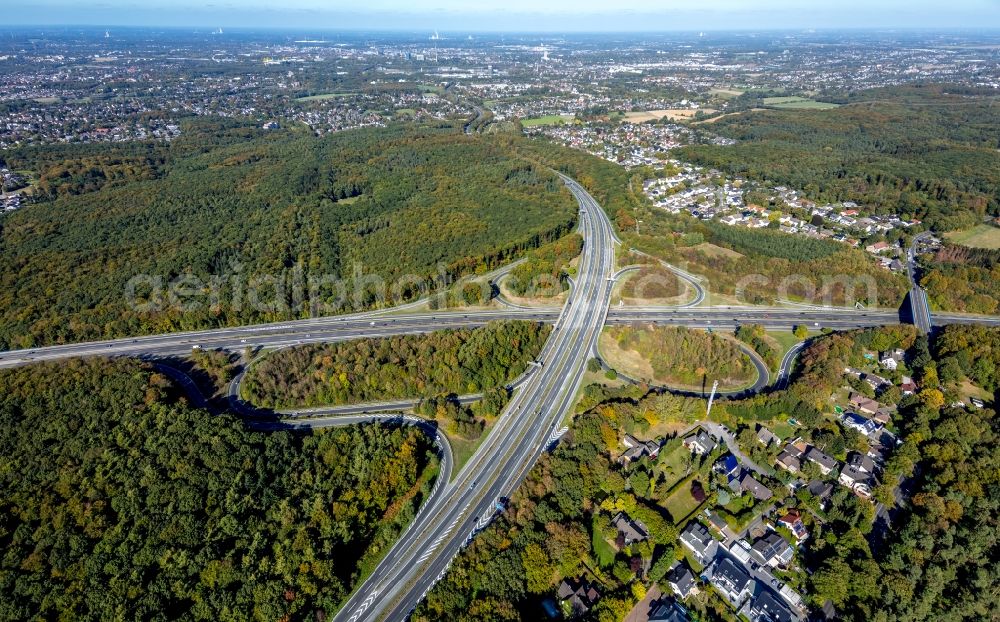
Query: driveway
(640, 613)
(715, 430)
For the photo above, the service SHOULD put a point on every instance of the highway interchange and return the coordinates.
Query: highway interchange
(540, 403)
(339, 328)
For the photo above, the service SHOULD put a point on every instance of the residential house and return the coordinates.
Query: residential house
(822, 490)
(731, 580)
(857, 480)
(884, 415)
(696, 539)
(636, 449)
(820, 459)
(766, 437)
(907, 386)
(862, 462)
(789, 460)
(734, 482)
(668, 610)
(791, 597)
(875, 381)
(864, 405)
(773, 550)
(716, 522)
(629, 530)
(758, 490)
(581, 596)
(863, 425)
(740, 550)
(681, 580)
(727, 465)
(888, 362)
(700, 443)
(766, 607)
(793, 521)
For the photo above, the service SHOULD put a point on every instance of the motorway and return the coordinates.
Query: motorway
(534, 413)
(542, 399)
(383, 324)
(919, 307)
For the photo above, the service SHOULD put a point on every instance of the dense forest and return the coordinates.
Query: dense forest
(757, 266)
(544, 272)
(118, 501)
(232, 224)
(755, 335)
(651, 280)
(402, 366)
(920, 151)
(682, 357)
(959, 278)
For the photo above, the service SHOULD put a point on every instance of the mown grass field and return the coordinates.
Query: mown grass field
(797, 103)
(549, 119)
(980, 236)
(603, 550)
(321, 96)
(681, 503)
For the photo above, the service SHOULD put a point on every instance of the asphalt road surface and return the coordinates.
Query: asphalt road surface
(457, 509)
(919, 306)
(533, 415)
(382, 324)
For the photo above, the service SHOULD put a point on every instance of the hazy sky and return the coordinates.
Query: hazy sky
(514, 15)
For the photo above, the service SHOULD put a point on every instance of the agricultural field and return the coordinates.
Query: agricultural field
(673, 114)
(980, 236)
(797, 103)
(549, 119)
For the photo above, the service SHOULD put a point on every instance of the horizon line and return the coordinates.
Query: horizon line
(404, 29)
